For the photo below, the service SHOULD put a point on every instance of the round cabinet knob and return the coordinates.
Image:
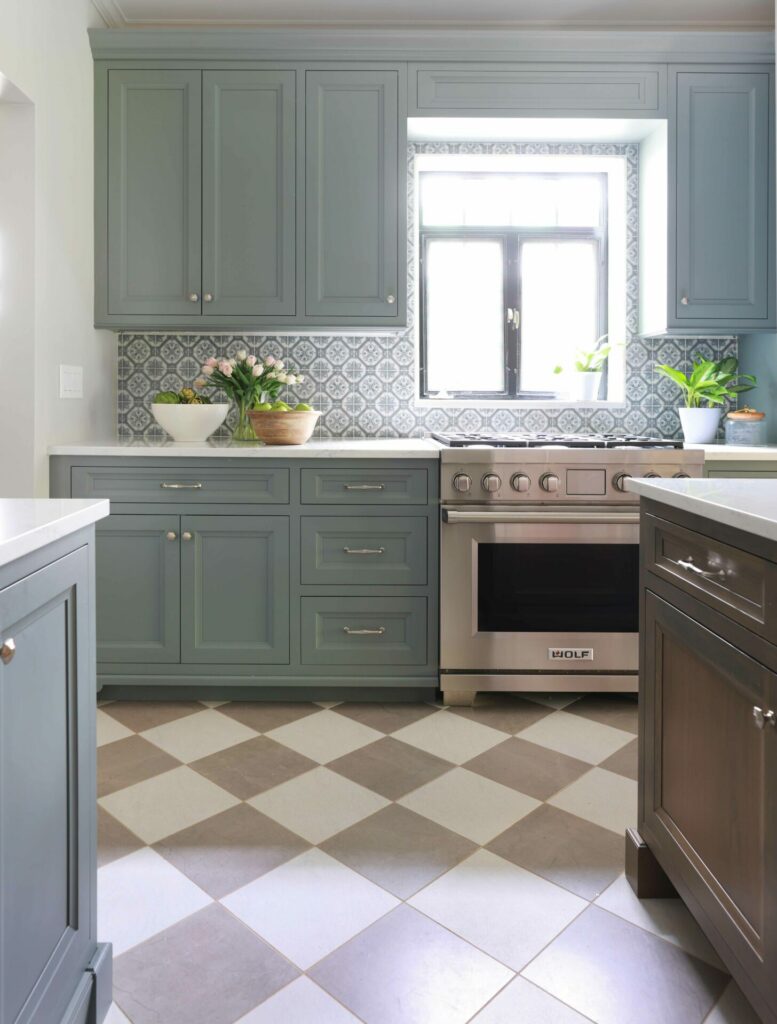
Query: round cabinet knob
(549, 482)
(194, 297)
(491, 483)
(171, 535)
(520, 482)
(684, 300)
(652, 476)
(682, 476)
(462, 483)
(619, 481)
(186, 535)
(207, 297)
(7, 651)
(391, 299)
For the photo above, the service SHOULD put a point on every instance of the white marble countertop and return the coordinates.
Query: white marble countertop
(27, 524)
(749, 505)
(318, 448)
(735, 452)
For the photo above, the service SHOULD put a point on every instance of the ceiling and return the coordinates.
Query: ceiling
(599, 14)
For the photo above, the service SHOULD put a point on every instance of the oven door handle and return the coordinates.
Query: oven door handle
(551, 516)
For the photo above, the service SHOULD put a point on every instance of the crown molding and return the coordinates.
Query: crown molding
(111, 13)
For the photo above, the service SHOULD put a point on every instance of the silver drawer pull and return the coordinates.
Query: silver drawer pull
(364, 551)
(7, 651)
(364, 487)
(364, 632)
(181, 487)
(762, 718)
(709, 574)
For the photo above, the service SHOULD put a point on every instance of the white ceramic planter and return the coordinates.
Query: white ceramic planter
(587, 386)
(700, 426)
(189, 424)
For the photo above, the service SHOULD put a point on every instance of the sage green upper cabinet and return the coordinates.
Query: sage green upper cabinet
(353, 229)
(153, 201)
(249, 192)
(723, 246)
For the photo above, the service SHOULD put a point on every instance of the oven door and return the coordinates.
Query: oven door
(540, 589)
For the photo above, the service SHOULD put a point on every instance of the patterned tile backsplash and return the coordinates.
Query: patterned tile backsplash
(365, 385)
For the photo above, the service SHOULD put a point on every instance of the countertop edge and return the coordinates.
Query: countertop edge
(360, 449)
(735, 452)
(39, 535)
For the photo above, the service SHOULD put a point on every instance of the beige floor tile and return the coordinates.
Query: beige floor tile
(600, 796)
(620, 710)
(386, 718)
(624, 761)
(670, 919)
(116, 1016)
(732, 1008)
(390, 767)
(325, 736)
(577, 737)
(128, 761)
(167, 803)
(113, 839)
(450, 737)
(266, 715)
(557, 701)
(318, 804)
(302, 1002)
(470, 804)
(502, 909)
(199, 735)
(139, 715)
(520, 1002)
(109, 730)
(253, 767)
(509, 713)
(407, 969)
(140, 895)
(613, 972)
(309, 906)
(527, 767)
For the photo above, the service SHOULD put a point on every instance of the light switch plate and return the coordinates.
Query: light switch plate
(71, 381)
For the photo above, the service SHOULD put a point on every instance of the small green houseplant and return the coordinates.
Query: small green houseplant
(588, 368)
(707, 388)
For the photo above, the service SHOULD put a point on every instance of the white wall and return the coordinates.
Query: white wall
(44, 52)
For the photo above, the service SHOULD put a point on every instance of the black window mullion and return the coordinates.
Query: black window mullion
(512, 301)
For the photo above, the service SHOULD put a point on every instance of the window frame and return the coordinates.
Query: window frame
(512, 239)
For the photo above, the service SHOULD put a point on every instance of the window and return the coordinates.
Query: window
(513, 279)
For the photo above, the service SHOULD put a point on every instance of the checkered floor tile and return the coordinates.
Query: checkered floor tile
(386, 864)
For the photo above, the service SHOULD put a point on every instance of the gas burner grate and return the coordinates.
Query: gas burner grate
(549, 440)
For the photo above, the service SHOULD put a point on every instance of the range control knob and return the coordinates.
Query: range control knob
(549, 482)
(651, 476)
(520, 482)
(682, 476)
(619, 481)
(491, 483)
(462, 483)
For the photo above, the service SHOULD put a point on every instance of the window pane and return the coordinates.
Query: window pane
(464, 310)
(487, 200)
(441, 200)
(533, 201)
(579, 201)
(558, 310)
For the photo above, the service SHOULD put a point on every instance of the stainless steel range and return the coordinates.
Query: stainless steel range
(540, 559)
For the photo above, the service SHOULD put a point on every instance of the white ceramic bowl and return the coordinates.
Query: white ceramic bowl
(190, 424)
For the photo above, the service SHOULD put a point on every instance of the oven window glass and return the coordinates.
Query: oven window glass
(558, 588)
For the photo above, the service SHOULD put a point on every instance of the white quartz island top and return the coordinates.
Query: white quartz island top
(318, 448)
(749, 505)
(27, 524)
(735, 452)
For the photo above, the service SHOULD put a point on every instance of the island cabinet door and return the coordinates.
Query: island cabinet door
(710, 771)
(138, 589)
(47, 740)
(235, 590)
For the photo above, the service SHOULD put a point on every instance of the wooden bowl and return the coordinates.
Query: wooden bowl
(283, 427)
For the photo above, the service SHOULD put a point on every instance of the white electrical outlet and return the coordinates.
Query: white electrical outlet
(71, 381)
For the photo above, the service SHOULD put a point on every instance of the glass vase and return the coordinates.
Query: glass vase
(244, 430)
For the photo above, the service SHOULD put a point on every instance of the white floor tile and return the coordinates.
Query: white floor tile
(318, 804)
(324, 736)
(302, 1002)
(309, 906)
(167, 803)
(199, 735)
(520, 1002)
(140, 895)
(603, 797)
(109, 730)
(670, 919)
(577, 737)
(504, 910)
(732, 1008)
(452, 737)
(115, 1016)
(470, 804)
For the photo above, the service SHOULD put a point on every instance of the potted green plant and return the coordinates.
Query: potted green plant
(588, 370)
(706, 389)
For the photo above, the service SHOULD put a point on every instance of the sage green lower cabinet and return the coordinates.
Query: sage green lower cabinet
(363, 630)
(235, 589)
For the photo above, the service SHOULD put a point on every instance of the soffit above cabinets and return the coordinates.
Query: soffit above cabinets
(587, 14)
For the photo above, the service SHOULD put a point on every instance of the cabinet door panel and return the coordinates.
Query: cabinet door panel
(138, 589)
(154, 195)
(352, 141)
(235, 589)
(723, 207)
(249, 190)
(46, 797)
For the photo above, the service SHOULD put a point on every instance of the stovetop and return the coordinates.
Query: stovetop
(550, 440)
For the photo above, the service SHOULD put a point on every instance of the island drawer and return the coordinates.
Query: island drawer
(364, 550)
(366, 631)
(733, 581)
(365, 486)
(176, 485)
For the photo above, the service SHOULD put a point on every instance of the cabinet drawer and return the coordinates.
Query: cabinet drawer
(357, 486)
(734, 582)
(176, 486)
(364, 550)
(364, 631)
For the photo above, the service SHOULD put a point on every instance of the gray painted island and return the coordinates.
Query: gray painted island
(52, 969)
